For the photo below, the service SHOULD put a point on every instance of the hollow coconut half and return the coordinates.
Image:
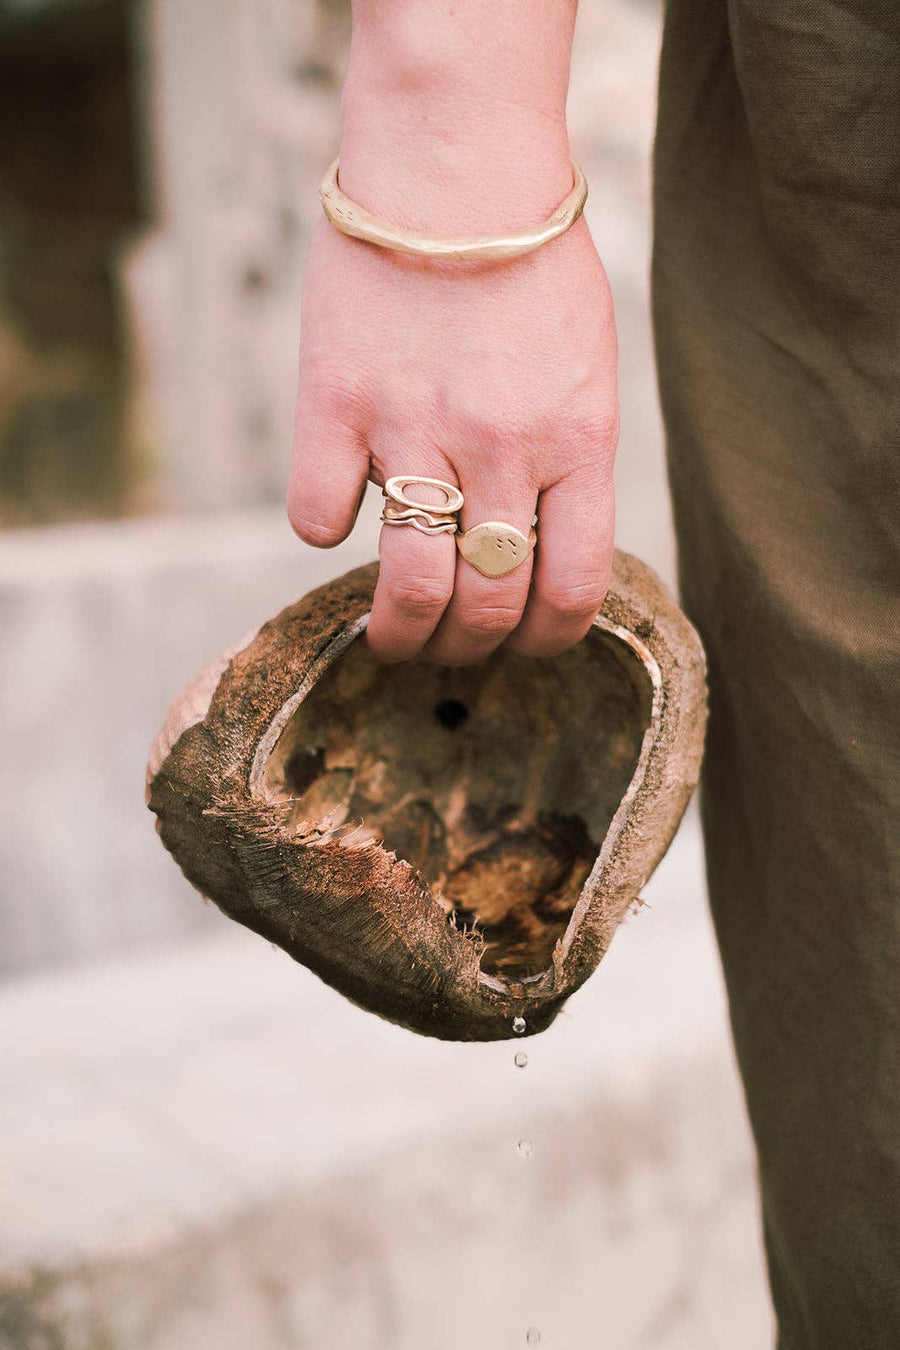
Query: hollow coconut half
(451, 848)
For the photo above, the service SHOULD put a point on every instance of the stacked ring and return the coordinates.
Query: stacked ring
(493, 548)
(426, 517)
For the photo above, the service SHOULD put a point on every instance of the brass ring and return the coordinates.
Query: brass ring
(426, 517)
(494, 548)
(394, 490)
(392, 515)
(421, 521)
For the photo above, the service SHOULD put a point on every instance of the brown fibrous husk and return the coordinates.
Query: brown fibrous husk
(451, 848)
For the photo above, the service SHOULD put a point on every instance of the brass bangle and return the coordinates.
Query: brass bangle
(346, 216)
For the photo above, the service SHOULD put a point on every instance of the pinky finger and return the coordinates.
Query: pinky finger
(573, 562)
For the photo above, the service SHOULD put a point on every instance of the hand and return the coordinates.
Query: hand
(499, 378)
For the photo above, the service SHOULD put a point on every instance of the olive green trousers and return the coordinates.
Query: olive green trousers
(776, 287)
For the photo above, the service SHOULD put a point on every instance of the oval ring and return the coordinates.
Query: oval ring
(394, 489)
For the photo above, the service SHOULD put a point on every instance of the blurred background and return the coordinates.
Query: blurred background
(200, 1145)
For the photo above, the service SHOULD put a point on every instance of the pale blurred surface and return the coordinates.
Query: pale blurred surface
(212, 1148)
(200, 1145)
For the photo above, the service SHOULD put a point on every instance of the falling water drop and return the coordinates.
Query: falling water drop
(521, 1060)
(524, 1148)
(519, 1026)
(532, 1336)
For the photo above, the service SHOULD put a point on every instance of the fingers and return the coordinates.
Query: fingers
(429, 599)
(328, 477)
(572, 566)
(415, 579)
(484, 610)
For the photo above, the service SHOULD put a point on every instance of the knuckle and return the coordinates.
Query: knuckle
(505, 426)
(575, 600)
(343, 395)
(491, 620)
(494, 414)
(421, 598)
(599, 426)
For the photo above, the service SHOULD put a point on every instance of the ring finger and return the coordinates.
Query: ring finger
(484, 609)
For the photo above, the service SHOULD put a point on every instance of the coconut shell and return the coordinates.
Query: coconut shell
(451, 848)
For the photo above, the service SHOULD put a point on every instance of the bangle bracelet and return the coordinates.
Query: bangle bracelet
(346, 216)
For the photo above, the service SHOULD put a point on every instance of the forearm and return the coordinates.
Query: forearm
(453, 114)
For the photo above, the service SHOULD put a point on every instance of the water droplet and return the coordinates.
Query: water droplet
(524, 1148)
(532, 1336)
(521, 1060)
(519, 1026)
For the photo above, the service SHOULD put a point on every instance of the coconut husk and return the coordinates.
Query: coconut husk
(451, 848)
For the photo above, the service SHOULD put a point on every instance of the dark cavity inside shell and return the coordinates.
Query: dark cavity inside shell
(497, 782)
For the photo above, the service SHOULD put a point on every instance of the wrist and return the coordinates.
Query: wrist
(453, 121)
(472, 182)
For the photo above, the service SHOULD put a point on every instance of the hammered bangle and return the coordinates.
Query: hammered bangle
(346, 216)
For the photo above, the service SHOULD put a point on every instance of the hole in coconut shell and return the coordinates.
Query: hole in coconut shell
(505, 817)
(304, 767)
(451, 713)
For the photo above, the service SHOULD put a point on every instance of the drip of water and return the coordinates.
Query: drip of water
(524, 1147)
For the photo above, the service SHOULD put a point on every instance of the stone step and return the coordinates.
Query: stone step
(102, 625)
(211, 1148)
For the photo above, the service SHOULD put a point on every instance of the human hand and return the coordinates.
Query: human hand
(497, 377)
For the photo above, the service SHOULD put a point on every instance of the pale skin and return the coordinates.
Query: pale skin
(498, 377)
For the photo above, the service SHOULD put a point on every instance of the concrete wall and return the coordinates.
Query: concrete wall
(241, 107)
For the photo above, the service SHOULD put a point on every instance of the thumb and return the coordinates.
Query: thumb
(328, 477)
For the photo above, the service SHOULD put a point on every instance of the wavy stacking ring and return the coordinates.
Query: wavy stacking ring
(426, 517)
(494, 548)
